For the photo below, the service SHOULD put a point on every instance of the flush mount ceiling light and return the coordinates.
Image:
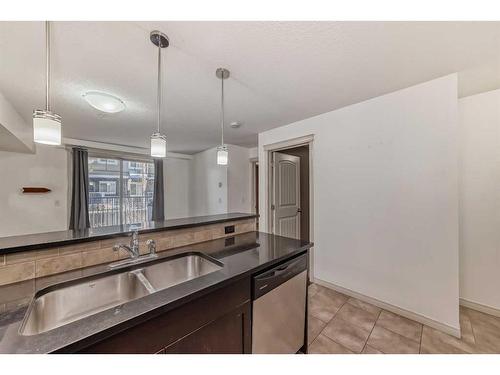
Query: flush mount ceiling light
(47, 124)
(235, 124)
(158, 140)
(222, 153)
(104, 102)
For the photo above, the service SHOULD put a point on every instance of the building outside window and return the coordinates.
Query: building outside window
(120, 191)
(107, 161)
(135, 166)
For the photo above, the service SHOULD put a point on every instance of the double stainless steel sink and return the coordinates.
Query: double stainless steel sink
(66, 303)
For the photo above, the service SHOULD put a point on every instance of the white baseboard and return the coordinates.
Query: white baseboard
(480, 307)
(394, 309)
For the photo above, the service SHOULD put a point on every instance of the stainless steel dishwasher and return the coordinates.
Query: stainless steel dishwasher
(279, 308)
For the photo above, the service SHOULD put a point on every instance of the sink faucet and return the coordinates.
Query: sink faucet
(133, 249)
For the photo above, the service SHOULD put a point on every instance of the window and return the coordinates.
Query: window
(135, 189)
(120, 191)
(107, 161)
(107, 187)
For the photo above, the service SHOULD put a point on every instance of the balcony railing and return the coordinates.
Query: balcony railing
(112, 210)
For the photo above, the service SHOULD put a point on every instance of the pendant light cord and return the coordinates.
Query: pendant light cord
(47, 67)
(222, 110)
(159, 84)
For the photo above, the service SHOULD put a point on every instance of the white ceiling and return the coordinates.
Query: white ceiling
(281, 72)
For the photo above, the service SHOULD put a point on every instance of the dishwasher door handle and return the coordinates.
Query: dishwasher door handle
(299, 264)
(272, 278)
(277, 273)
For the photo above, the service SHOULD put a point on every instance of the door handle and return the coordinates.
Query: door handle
(299, 210)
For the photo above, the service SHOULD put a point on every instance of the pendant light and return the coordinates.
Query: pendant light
(158, 140)
(222, 153)
(47, 124)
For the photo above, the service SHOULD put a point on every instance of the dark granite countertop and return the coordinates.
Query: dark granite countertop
(67, 237)
(242, 255)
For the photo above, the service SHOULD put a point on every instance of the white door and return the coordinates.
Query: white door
(286, 195)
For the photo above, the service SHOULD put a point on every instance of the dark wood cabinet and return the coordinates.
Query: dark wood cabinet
(229, 334)
(218, 322)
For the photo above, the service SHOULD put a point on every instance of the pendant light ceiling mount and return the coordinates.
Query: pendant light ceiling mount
(159, 39)
(158, 140)
(222, 73)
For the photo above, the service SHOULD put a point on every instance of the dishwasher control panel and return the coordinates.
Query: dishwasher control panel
(268, 280)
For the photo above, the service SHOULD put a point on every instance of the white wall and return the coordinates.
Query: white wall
(234, 192)
(480, 198)
(386, 197)
(15, 133)
(34, 213)
(239, 173)
(208, 184)
(177, 179)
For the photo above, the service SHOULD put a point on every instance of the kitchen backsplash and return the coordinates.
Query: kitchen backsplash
(28, 265)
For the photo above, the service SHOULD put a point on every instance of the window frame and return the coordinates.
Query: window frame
(120, 161)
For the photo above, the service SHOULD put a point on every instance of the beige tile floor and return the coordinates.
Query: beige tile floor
(339, 324)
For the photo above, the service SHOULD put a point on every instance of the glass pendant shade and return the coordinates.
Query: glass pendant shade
(158, 145)
(222, 155)
(46, 127)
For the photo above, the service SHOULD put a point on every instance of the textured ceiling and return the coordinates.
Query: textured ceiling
(281, 72)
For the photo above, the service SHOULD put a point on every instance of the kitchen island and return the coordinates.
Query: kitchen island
(208, 314)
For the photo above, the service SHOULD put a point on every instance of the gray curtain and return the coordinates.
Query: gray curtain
(158, 194)
(79, 216)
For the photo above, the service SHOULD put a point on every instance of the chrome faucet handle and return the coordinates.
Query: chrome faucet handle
(151, 246)
(134, 240)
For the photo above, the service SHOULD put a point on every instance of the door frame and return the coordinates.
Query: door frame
(307, 140)
(253, 163)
